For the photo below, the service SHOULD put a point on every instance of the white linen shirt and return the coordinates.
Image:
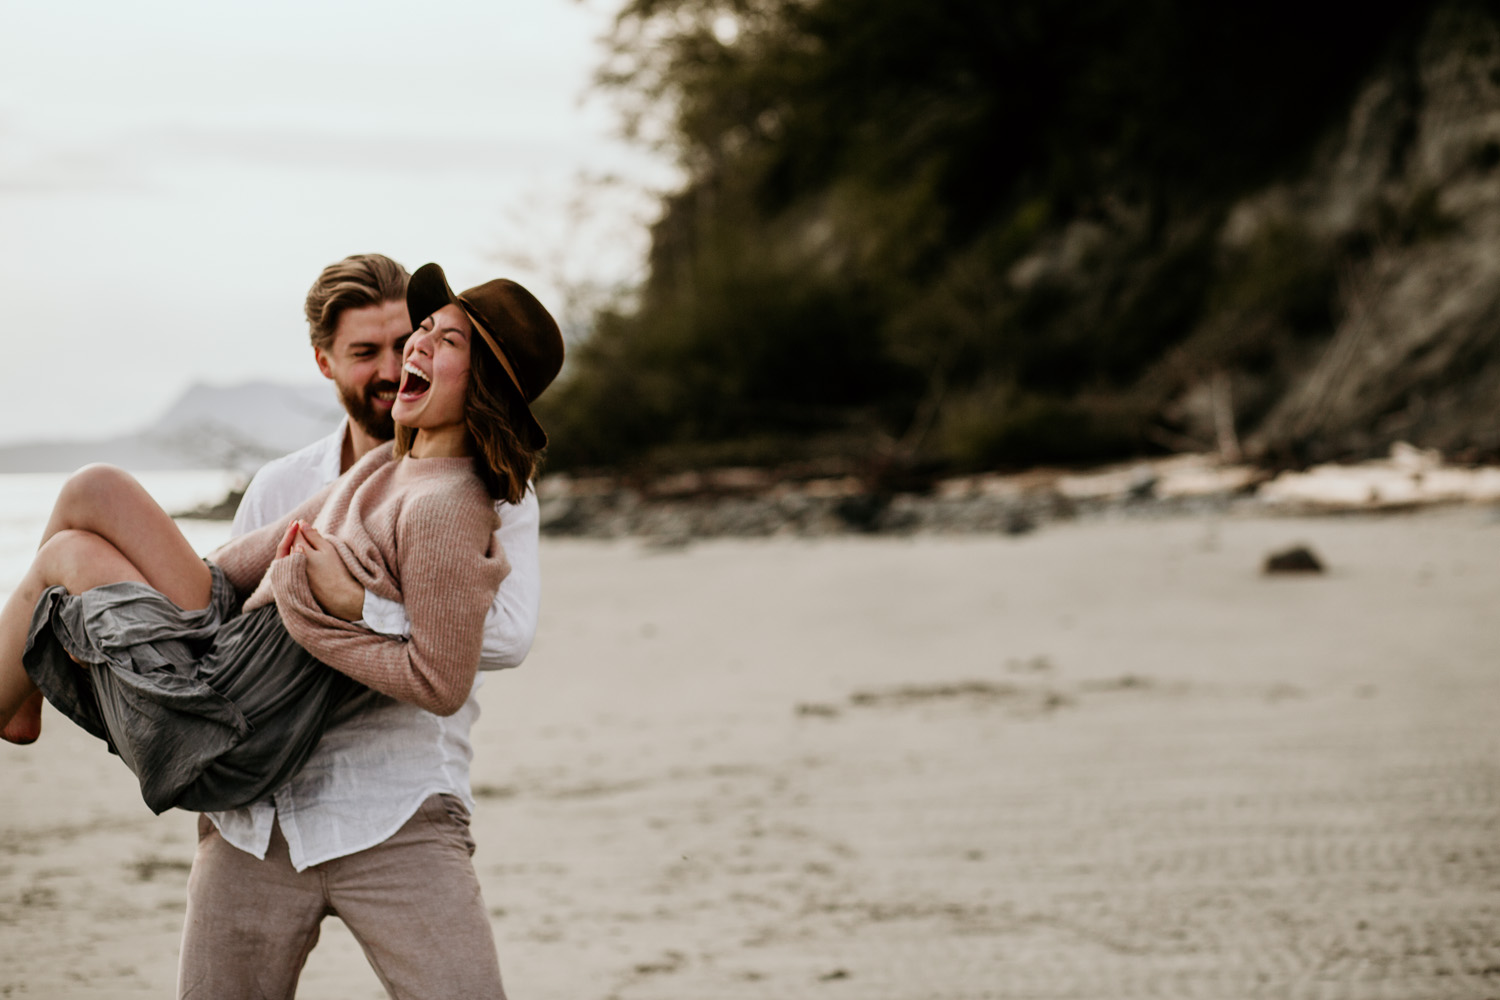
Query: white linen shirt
(375, 767)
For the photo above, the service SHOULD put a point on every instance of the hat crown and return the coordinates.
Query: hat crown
(524, 329)
(518, 328)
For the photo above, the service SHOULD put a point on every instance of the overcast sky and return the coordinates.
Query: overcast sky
(174, 173)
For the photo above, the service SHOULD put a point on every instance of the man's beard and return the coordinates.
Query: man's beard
(361, 408)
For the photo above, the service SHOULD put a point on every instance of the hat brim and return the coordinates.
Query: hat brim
(426, 293)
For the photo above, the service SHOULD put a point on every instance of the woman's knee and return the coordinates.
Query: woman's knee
(95, 483)
(89, 492)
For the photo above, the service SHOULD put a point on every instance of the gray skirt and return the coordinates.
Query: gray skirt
(211, 709)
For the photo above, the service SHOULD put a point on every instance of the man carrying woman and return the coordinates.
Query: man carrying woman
(374, 825)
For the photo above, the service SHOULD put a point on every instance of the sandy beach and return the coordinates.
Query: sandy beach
(1106, 759)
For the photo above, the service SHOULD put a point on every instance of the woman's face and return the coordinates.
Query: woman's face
(435, 372)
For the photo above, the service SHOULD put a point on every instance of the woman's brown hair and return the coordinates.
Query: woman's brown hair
(502, 459)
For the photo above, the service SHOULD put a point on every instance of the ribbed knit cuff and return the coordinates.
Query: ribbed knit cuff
(294, 595)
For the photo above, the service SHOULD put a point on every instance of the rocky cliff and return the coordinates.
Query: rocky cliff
(1404, 201)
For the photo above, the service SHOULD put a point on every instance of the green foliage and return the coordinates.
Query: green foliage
(991, 425)
(1284, 273)
(754, 332)
(967, 231)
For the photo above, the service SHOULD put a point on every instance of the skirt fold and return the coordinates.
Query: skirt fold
(210, 709)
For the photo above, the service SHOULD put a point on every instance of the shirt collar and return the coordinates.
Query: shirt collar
(333, 452)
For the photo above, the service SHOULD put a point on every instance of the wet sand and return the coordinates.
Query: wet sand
(1103, 760)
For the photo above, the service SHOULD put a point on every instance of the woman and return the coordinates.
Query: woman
(132, 636)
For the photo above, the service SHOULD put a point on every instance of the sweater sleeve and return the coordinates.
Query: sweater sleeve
(246, 558)
(510, 626)
(450, 568)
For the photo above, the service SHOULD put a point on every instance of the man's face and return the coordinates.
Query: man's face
(364, 361)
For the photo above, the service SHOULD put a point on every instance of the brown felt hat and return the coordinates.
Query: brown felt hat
(518, 329)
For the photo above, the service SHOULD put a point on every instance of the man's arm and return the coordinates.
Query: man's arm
(246, 557)
(251, 513)
(282, 484)
(510, 626)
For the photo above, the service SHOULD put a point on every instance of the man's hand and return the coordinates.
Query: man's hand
(338, 593)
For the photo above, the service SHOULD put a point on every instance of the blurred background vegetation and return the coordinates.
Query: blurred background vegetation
(928, 236)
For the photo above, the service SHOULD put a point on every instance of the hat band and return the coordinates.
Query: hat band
(494, 345)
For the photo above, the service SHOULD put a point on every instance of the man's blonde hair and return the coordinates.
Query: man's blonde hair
(365, 279)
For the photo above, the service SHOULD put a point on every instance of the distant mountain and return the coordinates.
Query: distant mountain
(209, 427)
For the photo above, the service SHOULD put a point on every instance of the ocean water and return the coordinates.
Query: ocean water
(26, 502)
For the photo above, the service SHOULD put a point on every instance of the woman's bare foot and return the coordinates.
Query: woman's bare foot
(26, 725)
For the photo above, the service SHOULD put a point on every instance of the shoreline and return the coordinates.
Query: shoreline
(763, 503)
(753, 503)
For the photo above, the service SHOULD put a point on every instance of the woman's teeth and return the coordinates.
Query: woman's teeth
(414, 382)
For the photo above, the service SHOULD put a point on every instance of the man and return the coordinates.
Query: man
(374, 829)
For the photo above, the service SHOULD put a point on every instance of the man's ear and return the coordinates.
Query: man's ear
(323, 364)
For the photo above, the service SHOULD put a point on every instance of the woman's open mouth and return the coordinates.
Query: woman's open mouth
(413, 382)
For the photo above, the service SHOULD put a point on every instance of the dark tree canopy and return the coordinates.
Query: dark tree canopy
(839, 273)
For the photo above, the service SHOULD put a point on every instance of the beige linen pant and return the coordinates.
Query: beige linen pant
(412, 902)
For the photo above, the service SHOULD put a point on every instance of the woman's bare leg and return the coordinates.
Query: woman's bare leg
(108, 502)
(105, 528)
(26, 725)
(77, 560)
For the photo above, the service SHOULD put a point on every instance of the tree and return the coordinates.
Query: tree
(950, 230)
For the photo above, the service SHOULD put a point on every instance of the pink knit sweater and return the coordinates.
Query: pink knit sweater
(417, 531)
